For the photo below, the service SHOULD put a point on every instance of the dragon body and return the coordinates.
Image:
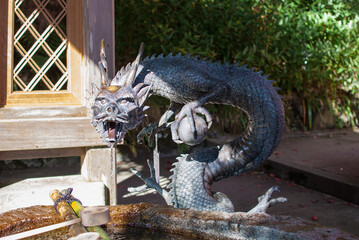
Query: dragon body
(189, 83)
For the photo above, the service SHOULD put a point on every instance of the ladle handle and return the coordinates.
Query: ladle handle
(41, 230)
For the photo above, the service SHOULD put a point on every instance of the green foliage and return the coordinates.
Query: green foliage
(309, 47)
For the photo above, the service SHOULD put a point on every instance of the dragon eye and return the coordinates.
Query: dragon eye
(126, 100)
(103, 101)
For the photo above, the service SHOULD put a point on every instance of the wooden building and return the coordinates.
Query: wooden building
(49, 50)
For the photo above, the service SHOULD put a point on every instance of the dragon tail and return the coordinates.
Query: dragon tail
(255, 95)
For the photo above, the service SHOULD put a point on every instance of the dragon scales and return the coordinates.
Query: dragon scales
(190, 83)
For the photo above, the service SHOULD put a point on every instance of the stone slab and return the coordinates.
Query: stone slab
(327, 162)
(35, 191)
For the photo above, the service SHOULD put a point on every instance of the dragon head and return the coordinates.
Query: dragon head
(117, 108)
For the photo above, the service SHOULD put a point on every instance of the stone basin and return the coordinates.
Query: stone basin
(175, 223)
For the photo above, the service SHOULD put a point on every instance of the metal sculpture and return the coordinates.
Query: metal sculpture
(189, 83)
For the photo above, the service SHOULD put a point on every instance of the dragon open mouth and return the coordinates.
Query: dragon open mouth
(115, 130)
(111, 127)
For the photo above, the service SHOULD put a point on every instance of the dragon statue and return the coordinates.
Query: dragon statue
(189, 83)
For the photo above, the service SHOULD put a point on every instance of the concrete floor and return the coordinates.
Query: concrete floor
(244, 190)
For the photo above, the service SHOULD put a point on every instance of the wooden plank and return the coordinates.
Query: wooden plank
(44, 98)
(47, 133)
(42, 153)
(42, 112)
(3, 50)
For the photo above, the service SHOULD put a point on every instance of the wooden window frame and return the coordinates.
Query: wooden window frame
(75, 92)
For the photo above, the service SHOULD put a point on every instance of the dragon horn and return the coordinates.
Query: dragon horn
(103, 65)
(131, 78)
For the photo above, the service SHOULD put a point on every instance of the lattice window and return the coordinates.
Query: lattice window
(40, 44)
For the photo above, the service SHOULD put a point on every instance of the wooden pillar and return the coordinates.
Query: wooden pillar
(97, 166)
(98, 24)
(4, 5)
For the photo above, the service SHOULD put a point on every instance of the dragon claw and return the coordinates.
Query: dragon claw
(265, 201)
(137, 173)
(137, 189)
(207, 115)
(149, 182)
(196, 128)
(150, 131)
(155, 128)
(187, 110)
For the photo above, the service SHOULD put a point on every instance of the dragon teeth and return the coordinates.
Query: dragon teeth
(145, 108)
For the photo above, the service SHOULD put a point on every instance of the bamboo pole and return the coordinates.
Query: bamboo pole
(77, 208)
(67, 214)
